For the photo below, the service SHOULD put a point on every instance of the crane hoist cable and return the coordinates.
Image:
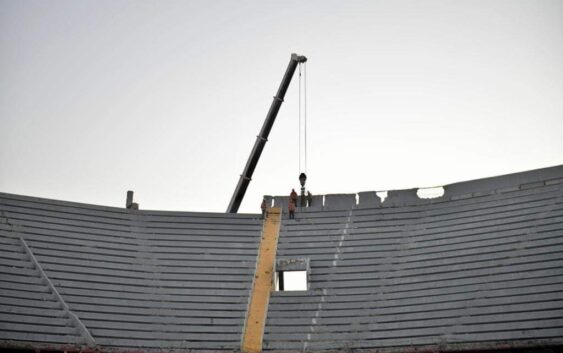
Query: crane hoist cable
(305, 109)
(299, 126)
(302, 101)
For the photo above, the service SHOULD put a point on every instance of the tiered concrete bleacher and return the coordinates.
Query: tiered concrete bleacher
(133, 278)
(478, 268)
(29, 307)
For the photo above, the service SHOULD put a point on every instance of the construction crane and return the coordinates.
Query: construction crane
(262, 138)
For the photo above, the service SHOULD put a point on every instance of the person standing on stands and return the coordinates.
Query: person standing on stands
(293, 197)
(309, 199)
(291, 209)
(264, 208)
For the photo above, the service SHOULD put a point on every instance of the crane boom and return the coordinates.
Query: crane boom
(262, 138)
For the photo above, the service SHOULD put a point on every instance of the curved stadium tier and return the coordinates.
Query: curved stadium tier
(479, 268)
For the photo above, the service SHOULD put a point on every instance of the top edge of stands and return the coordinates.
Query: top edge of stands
(340, 202)
(409, 197)
(122, 210)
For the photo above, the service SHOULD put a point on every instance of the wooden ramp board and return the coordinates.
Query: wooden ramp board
(262, 286)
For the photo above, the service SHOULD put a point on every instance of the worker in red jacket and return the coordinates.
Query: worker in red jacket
(291, 209)
(293, 196)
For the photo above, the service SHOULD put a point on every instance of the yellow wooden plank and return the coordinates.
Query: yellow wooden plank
(262, 286)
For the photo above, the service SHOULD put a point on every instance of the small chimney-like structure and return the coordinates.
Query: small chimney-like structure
(129, 204)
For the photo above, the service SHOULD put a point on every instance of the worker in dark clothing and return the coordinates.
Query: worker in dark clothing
(291, 209)
(309, 199)
(293, 197)
(264, 208)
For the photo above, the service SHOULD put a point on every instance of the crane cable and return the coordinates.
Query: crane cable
(305, 109)
(299, 112)
(303, 118)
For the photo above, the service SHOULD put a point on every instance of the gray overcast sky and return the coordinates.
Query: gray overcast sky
(166, 97)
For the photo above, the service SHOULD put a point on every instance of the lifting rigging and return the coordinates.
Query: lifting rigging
(303, 119)
(303, 133)
(262, 138)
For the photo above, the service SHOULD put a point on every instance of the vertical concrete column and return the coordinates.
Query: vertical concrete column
(262, 285)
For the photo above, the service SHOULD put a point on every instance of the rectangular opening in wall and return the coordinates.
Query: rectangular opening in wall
(291, 281)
